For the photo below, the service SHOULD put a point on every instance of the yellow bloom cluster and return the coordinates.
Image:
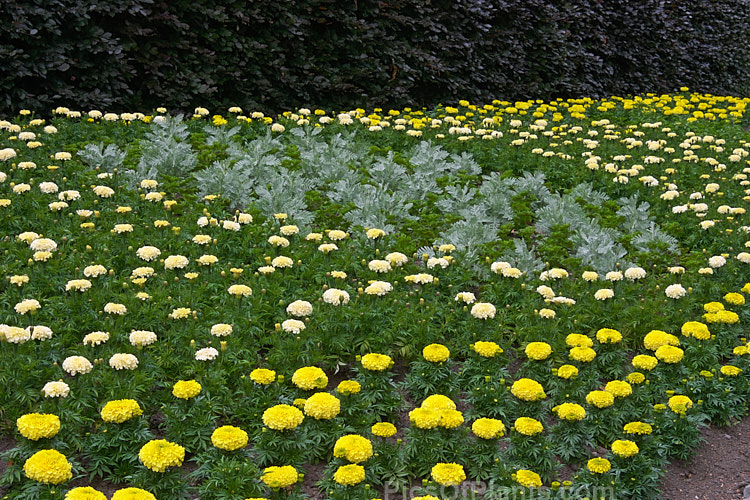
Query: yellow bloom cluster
(599, 465)
(608, 336)
(644, 362)
(132, 494)
(383, 429)
(619, 388)
(282, 417)
(567, 371)
(582, 354)
(121, 410)
(186, 389)
(309, 378)
(527, 389)
(36, 426)
(488, 428)
(669, 354)
(262, 376)
(578, 340)
(229, 438)
(48, 466)
(657, 338)
(528, 426)
(527, 478)
(571, 412)
(158, 454)
(85, 493)
(538, 351)
(349, 387)
(353, 447)
(349, 475)
(640, 428)
(680, 404)
(735, 299)
(376, 362)
(624, 448)
(486, 349)
(279, 477)
(600, 399)
(322, 406)
(696, 329)
(436, 353)
(448, 474)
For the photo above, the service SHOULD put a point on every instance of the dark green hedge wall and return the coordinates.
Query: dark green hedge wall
(276, 55)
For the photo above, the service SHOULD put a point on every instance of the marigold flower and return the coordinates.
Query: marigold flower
(644, 362)
(299, 308)
(590, 276)
(262, 376)
(538, 351)
(48, 466)
(608, 336)
(567, 372)
(240, 290)
(278, 241)
(600, 399)
(486, 349)
(229, 438)
(465, 297)
(483, 310)
(675, 291)
(322, 406)
(141, 338)
(669, 354)
(309, 378)
(95, 338)
(121, 410)
(36, 426)
(132, 494)
(186, 389)
(619, 388)
(640, 428)
(730, 370)
(450, 474)
(424, 418)
(528, 479)
(547, 313)
(57, 389)
(123, 361)
(582, 354)
(680, 404)
(335, 297)
(376, 362)
(349, 475)
(73, 365)
(27, 306)
(282, 417)
(149, 253)
(436, 353)
(279, 477)
(379, 266)
(85, 493)
(353, 447)
(599, 465)
(383, 429)
(327, 247)
(176, 262)
(378, 288)
(624, 448)
(488, 428)
(158, 454)
(604, 294)
(282, 262)
(396, 259)
(657, 338)
(349, 387)
(735, 299)
(527, 389)
(571, 412)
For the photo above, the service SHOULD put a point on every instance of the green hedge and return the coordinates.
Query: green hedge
(137, 54)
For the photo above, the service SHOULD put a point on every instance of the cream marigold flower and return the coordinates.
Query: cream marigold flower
(282, 262)
(175, 262)
(77, 285)
(123, 361)
(396, 259)
(335, 297)
(483, 310)
(547, 313)
(278, 241)
(314, 237)
(675, 291)
(221, 330)
(95, 338)
(73, 365)
(379, 288)
(293, 326)
(337, 235)
(240, 290)
(635, 273)
(465, 297)
(104, 191)
(299, 308)
(27, 306)
(206, 354)
(613, 276)
(379, 266)
(374, 233)
(49, 467)
(604, 294)
(148, 253)
(113, 308)
(159, 454)
(57, 389)
(141, 338)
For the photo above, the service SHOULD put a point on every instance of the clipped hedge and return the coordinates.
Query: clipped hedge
(278, 55)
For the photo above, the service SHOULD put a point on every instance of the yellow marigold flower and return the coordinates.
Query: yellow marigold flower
(735, 299)
(582, 354)
(229, 438)
(567, 371)
(353, 447)
(619, 388)
(450, 419)
(383, 429)
(680, 404)
(713, 307)
(279, 477)
(599, 465)
(644, 362)
(696, 329)
(349, 387)
(657, 338)
(608, 336)
(488, 428)
(438, 402)
(121, 410)
(527, 389)
(528, 426)
(48, 466)
(186, 389)
(299, 402)
(158, 454)
(486, 349)
(132, 494)
(624, 448)
(730, 371)
(426, 497)
(309, 378)
(282, 417)
(322, 406)
(85, 493)
(376, 362)
(424, 418)
(36, 426)
(528, 479)
(669, 354)
(538, 351)
(262, 376)
(570, 411)
(640, 428)
(436, 353)
(451, 474)
(349, 475)
(727, 317)
(578, 340)
(600, 399)
(635, 378)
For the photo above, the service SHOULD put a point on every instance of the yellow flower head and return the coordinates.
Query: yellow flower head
(624, 448)
(657, 338)
(680, 404)
(567, 371)
(349, 475)
(279, 477)
(582, 354)
(376, 362)
(528, 426)
(322, 406)
(132, 494)
(644, 362)
(438, 402)
(121, 410)
(600, 399)
(436, 353)
(450, 474)
(348, 387)
(735, 299)
(696, 329)
(528, 479)
(85, 493)
(578, 340)
(229, 438)
(49, 467)
(36, 426)
(262, 376)
(619, 388)
(309, 378)
(383, 429)
(608, 336)
(486, 349)
(353, 448)
(570, 411)
(538, 351)
(599, 465)
(424, 418)
(158, 454)
(488, 428)
(527, 389)
(282, 417)
(669, 354)
(186, 389)
(730, 371)
(640, 428)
